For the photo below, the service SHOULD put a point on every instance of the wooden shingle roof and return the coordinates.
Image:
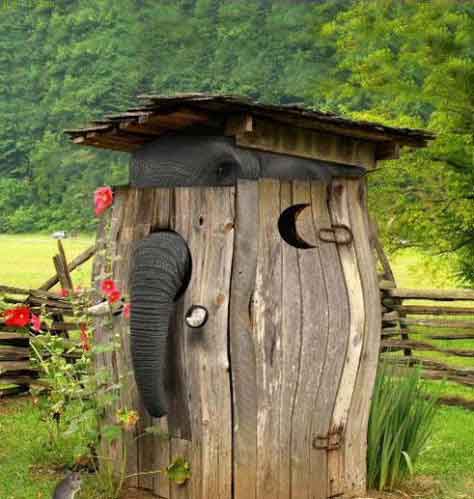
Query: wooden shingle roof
(158, 114)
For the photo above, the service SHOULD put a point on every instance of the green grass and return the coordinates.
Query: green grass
(22, 438)
(26, 260)
(449, 455)
(30, 464)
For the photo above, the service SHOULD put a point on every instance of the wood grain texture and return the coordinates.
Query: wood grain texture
(242, 340)
(356, 434)
(205, 218)
(340, 214)
(111, 453)
(308, 326)
(277, 137)
(334, 346)
(125, 230)
(267, 313)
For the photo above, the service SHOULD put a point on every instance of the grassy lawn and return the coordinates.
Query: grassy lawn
(27, 260)
(30, 465)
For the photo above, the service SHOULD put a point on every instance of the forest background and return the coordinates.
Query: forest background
(405, 63)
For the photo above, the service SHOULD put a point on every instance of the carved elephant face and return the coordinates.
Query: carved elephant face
(184, 161)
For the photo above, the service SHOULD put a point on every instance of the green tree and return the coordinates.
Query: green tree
(411, 64)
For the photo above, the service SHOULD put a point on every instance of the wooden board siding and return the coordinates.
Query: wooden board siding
(270, 398)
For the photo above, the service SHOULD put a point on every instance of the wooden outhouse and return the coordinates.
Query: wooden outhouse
(258, 359)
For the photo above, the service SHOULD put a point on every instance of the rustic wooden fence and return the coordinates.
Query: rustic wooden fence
(17, 373)
(433, 328)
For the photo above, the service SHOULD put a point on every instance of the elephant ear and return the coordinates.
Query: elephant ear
(161, 269)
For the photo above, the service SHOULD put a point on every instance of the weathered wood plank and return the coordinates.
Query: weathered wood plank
(162, 459)
(11, 352)
(432, 310)
(128, 226)
(442, 323)
(306, 330)
(340, 214)
(421, 345)
(242, 341)
(205, 217)
(430, 294)
(356, 434)
(64, 264)
(289, 359)
(182, 449)
(276, 137)
(267, 313)
(110, 452)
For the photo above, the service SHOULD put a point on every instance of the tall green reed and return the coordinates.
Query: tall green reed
(401, 421)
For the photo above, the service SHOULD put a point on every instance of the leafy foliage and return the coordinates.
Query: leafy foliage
(406, 63)
(179, 471)
(401, 420)
(411, 64)
(65, 63)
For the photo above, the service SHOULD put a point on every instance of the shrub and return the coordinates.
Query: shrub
(400, 424)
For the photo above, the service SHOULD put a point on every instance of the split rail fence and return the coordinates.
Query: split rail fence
(433, 328)
(17, 372)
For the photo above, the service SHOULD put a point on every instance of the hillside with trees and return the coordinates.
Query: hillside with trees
(407, 63)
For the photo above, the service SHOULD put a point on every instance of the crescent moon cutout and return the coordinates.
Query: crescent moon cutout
(287, 226)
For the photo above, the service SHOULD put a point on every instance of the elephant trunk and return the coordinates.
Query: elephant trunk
(160, 273)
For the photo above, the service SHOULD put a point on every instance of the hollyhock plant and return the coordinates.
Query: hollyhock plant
(114, 296)
(126, 311)
(129, 419)
(85, 339)
(103, 199)
(17, 317)
(35, 322)
(108, 286)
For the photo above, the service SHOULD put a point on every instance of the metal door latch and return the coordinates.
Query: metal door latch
(332, 441)
(337, 233)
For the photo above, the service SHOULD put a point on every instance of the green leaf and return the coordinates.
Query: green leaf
(179, 471)
(111, 432)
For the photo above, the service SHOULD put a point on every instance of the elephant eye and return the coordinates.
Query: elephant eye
(226, 169)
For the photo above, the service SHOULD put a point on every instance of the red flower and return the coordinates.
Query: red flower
(85, 339)
(114, 296)
(64, 293)
(127, 310)
(108, 286)
(35, 322)
(17, 317)
(103, 199)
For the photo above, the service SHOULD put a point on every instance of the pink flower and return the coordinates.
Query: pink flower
(127, 308)
(114, 296)
(108, 286)
(103, 199)
(35, 322)
(64, 293)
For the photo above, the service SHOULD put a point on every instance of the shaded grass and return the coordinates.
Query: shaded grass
(30, 464)
(24, 444)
